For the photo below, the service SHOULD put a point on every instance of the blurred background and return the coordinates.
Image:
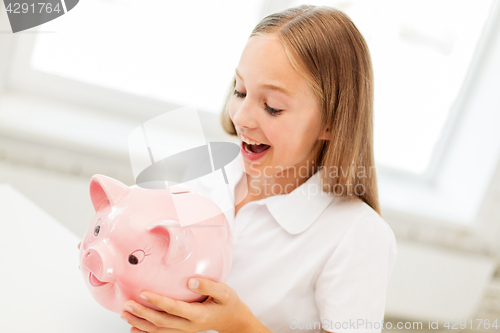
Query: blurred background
(72, 89)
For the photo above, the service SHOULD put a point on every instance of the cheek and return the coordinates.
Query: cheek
(286, 136)
(294, 144)
(277, 135)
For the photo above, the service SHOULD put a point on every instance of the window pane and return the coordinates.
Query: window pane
(421, 51)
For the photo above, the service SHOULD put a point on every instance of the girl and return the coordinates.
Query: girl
(311, 251)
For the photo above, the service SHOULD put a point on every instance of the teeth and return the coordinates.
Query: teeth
(248, 151)
(250, 142)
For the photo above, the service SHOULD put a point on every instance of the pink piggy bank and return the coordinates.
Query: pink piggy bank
(151, 239)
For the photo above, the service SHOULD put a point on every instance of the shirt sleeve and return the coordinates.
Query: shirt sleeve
(351, 289)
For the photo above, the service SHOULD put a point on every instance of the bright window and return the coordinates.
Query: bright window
(185, 52)
(182, 52)
(421, 52)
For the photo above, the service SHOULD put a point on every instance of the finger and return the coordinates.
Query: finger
(141, 324)
(221, 292)
(162, 330)
(79, 245)
(136, 330)
(158, 318)
(185, 310)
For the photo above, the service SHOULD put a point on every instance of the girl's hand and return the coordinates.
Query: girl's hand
(222, 311)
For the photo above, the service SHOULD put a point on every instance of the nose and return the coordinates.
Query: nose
(93, 262)
(244, 116)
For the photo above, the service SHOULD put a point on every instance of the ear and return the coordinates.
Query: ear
(325, 134)
(179, 239)
(106, 189)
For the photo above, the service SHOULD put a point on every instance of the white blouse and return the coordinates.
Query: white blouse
(307, 260)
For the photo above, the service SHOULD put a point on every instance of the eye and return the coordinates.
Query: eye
(239, 94)
(136, 257)
(96, 230)
(270, 110)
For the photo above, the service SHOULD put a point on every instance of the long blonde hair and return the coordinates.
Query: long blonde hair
(324, 45)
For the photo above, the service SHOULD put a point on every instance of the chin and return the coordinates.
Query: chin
(254, 168)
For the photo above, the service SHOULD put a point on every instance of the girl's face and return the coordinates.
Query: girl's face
(273, 105)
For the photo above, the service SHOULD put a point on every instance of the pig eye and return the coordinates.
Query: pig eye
(97, 228)
(136, 257)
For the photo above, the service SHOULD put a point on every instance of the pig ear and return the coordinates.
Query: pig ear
(106, 189)
(179, 239)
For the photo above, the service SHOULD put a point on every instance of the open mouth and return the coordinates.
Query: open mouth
(253, 147)
(95, 281)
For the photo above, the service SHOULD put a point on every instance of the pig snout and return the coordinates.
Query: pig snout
(93, 262)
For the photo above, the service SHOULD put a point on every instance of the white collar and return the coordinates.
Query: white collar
(295, 211)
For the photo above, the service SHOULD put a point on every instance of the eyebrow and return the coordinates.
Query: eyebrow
(270, 86)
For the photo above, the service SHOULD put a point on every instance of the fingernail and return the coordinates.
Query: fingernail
(123, 317)
(193, 283)
(144, 297)
(128, 308)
